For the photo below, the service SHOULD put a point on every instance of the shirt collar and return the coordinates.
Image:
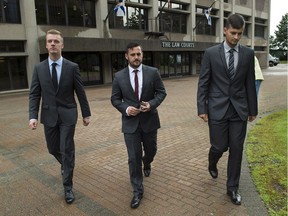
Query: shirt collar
(132, 69)
(227, 47)
(59, 61)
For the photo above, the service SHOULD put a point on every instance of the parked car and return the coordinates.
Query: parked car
(273, 61)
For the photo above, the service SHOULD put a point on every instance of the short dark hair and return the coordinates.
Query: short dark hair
(131, 46)
(235, 21)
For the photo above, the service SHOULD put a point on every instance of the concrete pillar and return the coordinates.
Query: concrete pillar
(29, 20)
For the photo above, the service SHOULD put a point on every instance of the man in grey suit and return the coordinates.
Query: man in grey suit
(226, 98)
(137, 91)
(54, 81)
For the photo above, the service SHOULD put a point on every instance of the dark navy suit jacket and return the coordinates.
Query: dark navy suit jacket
(61, 103)
(153, 91)
(215, 89)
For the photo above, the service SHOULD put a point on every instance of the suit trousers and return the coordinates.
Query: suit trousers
(133, 143)
(60, 143)
(228, 133)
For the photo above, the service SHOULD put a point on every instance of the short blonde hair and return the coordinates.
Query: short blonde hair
(55, 32)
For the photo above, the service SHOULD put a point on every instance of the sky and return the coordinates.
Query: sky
(278, 9)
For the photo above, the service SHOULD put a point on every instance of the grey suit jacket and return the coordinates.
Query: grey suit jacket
(62, 102)
(216, 91)
(153, 91)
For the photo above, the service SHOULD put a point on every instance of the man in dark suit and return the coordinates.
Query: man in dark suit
(137, 91)
(226, 98)
(54, 81)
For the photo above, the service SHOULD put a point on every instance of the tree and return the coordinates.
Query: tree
(272, 44)
(280, 40)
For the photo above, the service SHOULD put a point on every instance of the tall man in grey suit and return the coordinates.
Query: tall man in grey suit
(226, 98)
(54, 81)
(137, 91)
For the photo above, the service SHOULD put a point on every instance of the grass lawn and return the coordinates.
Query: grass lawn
(267, 157)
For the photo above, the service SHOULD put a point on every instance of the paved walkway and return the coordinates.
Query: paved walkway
(30, 180)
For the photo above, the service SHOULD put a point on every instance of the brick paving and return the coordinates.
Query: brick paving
(30, 179)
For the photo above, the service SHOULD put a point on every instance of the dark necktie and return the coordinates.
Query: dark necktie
(136, 84)
(54, 76)
(231, 70)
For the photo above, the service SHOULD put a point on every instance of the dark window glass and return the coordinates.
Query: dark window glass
(202, 26)
(258, 48)
(172, 22)
(89, 13)
(81, 13)
(89, 64)
(66, 12)
(56, 9)
(259, 20)
(226, 14)
(135, 18)
(10, 11)
(118, 62)
(174, 64)
(11, 46)
(246, 30)
(13, 73)
(260, 31)
(40, 9)
(169, 19)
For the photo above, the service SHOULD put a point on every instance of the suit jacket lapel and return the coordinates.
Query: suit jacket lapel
(240, 59)
(63, 70)
(47, 73)
(144, 80)
(223, 56)
(127, 80)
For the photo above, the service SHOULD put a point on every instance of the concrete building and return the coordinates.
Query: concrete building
(174, 35)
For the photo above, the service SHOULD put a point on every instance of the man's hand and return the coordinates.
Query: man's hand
(251, 118)
(204, 117)
(145, 106)
(33, 124)
(132, 111)
(86, 121)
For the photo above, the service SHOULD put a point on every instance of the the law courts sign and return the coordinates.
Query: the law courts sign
(177, 44)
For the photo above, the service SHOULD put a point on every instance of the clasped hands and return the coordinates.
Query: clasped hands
(144, 107)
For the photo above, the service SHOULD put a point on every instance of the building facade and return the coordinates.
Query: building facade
(174, 35)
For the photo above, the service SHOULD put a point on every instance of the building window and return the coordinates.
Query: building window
(172, 22)
(90, 66)
(174, 64)
(66, 12)
(202, 26)
(135, 17)
(10, 11)
(172, 17)
(11, 46)
(259, 48)
(260, 31)
(260, 26)
(13, 73)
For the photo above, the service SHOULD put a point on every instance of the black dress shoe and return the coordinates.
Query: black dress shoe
(147, 170)
(213, 172)
(235, 197)
(135, 202)
(69, 196)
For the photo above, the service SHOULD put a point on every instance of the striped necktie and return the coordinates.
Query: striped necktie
(231, 69)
